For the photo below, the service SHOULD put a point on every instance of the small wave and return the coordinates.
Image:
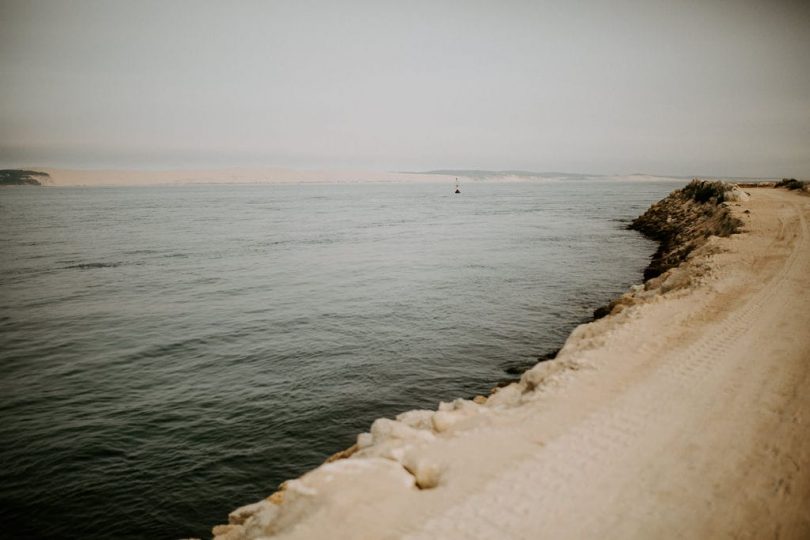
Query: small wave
(90, 266)
(141, 252)
(267, 243)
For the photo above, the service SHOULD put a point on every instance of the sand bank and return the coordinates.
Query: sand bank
(112, 177)
(682, 414)
(124, 177)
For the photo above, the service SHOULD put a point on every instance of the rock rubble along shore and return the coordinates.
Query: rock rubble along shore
(685, 219)
(682, 222)
(680, 414)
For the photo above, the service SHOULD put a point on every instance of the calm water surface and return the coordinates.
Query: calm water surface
(168, 354)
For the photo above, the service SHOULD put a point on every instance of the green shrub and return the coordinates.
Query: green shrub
(791, 183)
(703, 191)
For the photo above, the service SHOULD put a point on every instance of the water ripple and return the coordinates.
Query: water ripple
(170, 353)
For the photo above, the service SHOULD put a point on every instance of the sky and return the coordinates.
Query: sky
(706, 87)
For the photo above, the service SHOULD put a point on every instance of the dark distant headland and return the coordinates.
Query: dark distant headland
(21, 177)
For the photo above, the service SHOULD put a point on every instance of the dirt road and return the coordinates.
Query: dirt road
(697, 424)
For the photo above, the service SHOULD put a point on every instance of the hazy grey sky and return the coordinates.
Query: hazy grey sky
(677, 87)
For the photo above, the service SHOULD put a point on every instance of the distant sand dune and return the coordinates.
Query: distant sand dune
(112, 177)
(69, 177)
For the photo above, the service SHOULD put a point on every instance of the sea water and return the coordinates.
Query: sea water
(170, 353)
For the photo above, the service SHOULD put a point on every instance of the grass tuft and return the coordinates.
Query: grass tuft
(703, 191)
(791, 183)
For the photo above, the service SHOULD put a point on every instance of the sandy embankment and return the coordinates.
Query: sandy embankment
(683, 414)
(123, 177)
(93, 178)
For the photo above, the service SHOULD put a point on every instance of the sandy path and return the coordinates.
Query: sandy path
(682, 417)
(696, 428)
(701, 431)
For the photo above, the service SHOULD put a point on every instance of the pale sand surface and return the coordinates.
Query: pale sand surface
(687, 415)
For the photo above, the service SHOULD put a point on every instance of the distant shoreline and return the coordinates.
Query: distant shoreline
(22, 177)
(271, 176)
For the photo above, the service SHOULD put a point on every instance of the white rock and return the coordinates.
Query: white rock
(443, 420)
(736, 194)
(507, 396)
(398, 453)
(228, 532)
(241, 514)
(541, 373)
(364, 440)
(384, 429)
(298, 487)
(425, 471)
(262, 521)
(466, 406)
(677, 278)
(417, 419)
(445, 406)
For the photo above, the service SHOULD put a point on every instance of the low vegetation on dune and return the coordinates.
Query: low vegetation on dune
(792, 183)
(705, 191)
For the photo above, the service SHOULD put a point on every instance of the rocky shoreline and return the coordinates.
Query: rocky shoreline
(685, 219)
(396, 454)
(681, 223)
